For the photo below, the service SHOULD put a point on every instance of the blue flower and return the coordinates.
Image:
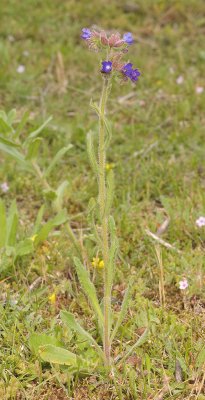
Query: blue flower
(130, 73)
(86, 34)
(128, 38)
(106, 67)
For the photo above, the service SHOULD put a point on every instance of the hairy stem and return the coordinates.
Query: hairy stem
(104, 217)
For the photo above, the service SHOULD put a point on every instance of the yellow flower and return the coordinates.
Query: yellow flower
(97, 263)
(109, 166)
(33, 238)
(52, 298)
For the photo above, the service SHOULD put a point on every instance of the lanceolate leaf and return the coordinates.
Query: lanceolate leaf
(91, 152)
(88, 288)
(69, 320)
(123, 310)
(13, 152)
(35, 133)
(138, 343)
(57, 157)
(58, 355)
(2, 224)
(12, 225)
(33, 148)
(39, 219)
(60, 192)
(44, 231)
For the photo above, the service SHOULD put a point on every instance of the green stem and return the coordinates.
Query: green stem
(104, 218)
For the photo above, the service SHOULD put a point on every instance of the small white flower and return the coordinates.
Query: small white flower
(11, 38)
(199, 89)
(26, 53)
(180, 80)
(4, 187)
(183, 284)
(200, 222)
(21, 69)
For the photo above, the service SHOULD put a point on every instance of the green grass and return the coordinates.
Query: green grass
(158, 152)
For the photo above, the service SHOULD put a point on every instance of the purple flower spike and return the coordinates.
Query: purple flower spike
(86, 34)
(128, 38)
(106, 67)
(130, 73)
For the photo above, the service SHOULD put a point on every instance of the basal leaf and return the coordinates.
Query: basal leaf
(57, 355)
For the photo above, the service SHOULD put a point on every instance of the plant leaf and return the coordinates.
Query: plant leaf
(12, 224)
(57, 157)
(2, 224)
(33, 148)
(38, 219)
(8, 142)
(88, 288)
(4, 126)
(36, 340)
(91, 152)
(60, 191)
(123, 310)
(44, 231)
(35, 133)
(57, 355)
(142, 339)
(71, 323)
(24, 247)
(21, 124)
(16, 155)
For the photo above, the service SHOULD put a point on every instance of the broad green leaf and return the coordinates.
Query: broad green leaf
(12, 224)
(35, 133)
(33, 148)
(123, 310)
(57, 157)
(44, 231)
(24, 247)
(71, 323)
(57, 355)
(88, 288)
(16, 155)
(36, 340)
(2, 224)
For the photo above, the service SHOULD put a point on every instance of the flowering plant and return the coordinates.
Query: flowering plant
(113, 48)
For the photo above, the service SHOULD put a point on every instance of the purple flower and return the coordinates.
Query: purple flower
(86, 34)
(128, 38)
(106, 67)
(130, 73)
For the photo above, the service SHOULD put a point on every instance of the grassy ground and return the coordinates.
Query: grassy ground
(158, 156)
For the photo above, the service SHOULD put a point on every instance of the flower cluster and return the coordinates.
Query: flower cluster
(97, 263)
(115, 47)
